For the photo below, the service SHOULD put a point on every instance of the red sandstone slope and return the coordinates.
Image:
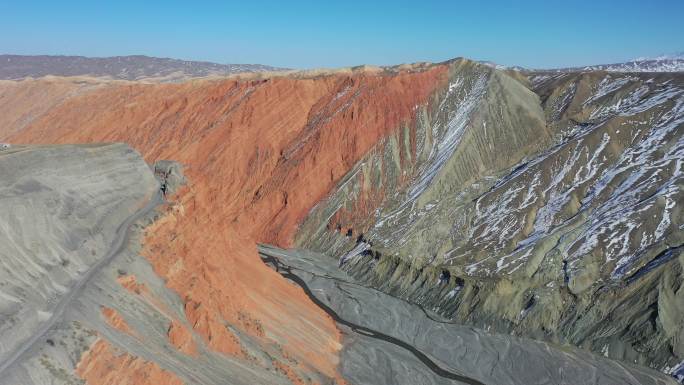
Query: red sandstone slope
(259, 154)
(23, 101)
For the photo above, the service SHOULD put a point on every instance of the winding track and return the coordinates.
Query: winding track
(120, 241)
(286, 272)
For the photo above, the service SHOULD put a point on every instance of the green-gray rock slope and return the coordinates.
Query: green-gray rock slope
(376, 324)
(71, 220)
(542, 205)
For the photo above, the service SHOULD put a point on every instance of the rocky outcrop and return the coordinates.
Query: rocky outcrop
(170, 176)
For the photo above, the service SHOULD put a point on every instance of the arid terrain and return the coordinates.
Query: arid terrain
(135, 67)
(444, 223)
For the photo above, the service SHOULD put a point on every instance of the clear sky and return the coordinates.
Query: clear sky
(302, 34)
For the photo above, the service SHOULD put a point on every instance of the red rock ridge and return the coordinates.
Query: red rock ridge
(105, 365)
(259, 154)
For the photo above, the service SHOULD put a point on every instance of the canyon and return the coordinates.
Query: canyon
(480, 220)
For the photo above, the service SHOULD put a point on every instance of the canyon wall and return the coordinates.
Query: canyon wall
(552, 213)
(257, 155)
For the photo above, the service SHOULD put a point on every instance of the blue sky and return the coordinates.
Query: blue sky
(304, 34)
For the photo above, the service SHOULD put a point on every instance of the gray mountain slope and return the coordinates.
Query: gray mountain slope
(546, 206)
(380, 322)
(70, 231)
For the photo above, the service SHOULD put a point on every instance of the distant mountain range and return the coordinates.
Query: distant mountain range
(137, 67)
(663, 63)
(140, 67)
